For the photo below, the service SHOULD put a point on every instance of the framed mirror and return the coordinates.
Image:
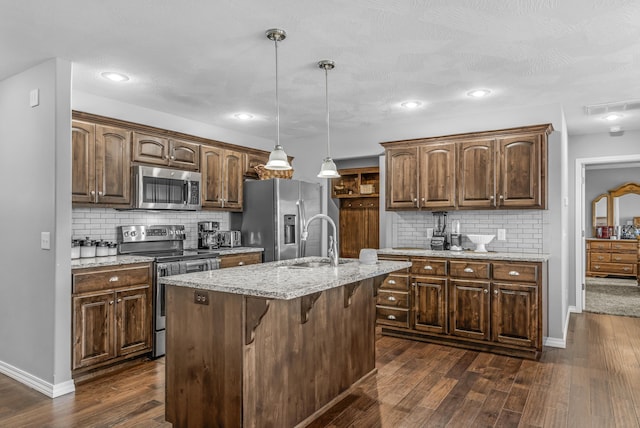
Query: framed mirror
(599, 211)
(624, 204)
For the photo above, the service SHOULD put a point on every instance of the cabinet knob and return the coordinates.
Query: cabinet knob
(111, 302)
(360, 204)
(93, 192)
(113, 279)
(495, 292)
(391, 299)
(514, 273)
(392, 281)
(468, 270)
(422, 199)
(486, 291)
(173, 158)
(428, 267)
(240, 263)
(501, 197)
(391, 317)
(100, 193)
(491, 198)
(119, 300)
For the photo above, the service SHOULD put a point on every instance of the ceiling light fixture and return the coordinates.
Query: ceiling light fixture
(478, 93)
(277, 158)
(115, 77)
(613, 116)
(328, 168)
(411, 104)
(243, 116)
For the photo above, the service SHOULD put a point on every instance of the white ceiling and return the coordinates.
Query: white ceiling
(206, 60)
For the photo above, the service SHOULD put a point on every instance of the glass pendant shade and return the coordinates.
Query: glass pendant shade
(278, 159)
(328, 169)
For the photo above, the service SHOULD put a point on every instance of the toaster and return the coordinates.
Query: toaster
(229, 238)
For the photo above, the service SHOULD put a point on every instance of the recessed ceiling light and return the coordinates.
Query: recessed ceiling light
(115, 77)
(478, 93)
(613, 116)
(411, 104)
(243, 116)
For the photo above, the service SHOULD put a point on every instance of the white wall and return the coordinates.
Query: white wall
(35, 303)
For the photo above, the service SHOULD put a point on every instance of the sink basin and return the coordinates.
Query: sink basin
(481, 241)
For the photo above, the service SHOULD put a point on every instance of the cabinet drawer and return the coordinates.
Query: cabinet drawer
(392, 316)
(614, 268)
(600, 257)
(464, 269)
(233, 260)
(599, 245)
(396, 282)
(396, 299)
(623, 258)
(395, 258)
(515, 272)
(110, 278)
(622, 247)
(421, 266)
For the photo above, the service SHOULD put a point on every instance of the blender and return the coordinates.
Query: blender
(456, 236)
(439, 238)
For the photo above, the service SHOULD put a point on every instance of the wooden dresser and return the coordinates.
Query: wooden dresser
(612, 257)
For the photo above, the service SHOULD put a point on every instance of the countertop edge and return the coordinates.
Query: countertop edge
(528, 257)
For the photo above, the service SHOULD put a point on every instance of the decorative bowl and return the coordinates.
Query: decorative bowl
(480, 241)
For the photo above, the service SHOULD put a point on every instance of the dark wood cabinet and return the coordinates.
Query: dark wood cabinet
(489, 305)
(253, 159)
(613, 257)
(356, 183)
(111, 317)
(169, 152)
(101, 158)
(359, 226)
(222, 177)
(504, 169)
(242, 259)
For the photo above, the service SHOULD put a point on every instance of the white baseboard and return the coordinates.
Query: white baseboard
(556, 342)
(49, 389)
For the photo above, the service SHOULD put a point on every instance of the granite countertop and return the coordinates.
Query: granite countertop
(280, 280)
(108, 261)
(225, 251)
(467, 254)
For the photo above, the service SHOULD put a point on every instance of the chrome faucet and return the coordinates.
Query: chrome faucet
(333, 239)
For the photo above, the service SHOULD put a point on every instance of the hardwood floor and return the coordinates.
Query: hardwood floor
(595, 382)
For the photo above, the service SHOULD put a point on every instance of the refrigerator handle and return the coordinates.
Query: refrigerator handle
(302, 221)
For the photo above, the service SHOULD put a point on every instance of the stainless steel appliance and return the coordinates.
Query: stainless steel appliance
(439, 238)
(165, 243)
(456, 236)
(230, 238)
(166, 189)
(208, 234)
(275, 211)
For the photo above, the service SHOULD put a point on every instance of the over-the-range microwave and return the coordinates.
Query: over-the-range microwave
(166, 189)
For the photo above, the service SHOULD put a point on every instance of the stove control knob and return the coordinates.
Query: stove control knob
(126, 234)
(133, 233)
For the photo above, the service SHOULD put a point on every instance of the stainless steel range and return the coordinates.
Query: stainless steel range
(165, 243)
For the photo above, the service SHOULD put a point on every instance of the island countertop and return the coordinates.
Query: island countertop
(489, 255)
(282, 280)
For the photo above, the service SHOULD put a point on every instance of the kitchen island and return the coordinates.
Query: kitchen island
(272, 344)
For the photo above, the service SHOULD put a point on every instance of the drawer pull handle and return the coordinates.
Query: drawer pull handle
(391, 299)
(468, 270)
(392, 281)
(485, 291)
(618, 259)
(391, 317)
(596, 266)
(514, 273)
(119, 300)
(113, 279)
(627, 268)
(428, 267)
(600, 258)
(616, 246)
(111, 302)
(240, 263)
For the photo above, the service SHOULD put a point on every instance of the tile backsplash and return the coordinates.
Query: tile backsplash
(101, 223)
(524, 228)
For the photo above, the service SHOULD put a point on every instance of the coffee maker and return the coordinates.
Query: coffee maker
(439, 237)
(208, 235)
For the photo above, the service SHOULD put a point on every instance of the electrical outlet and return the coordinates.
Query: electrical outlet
(45, 240)
(429, 232)
(201, 297)
(502, 234)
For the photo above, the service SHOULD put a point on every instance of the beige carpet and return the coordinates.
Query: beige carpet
(613, 296)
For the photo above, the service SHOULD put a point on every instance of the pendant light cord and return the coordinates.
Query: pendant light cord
(326, 85)
(275, 41)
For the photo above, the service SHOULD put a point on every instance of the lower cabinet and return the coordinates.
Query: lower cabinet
(111, 315)
(488, 305)
(241, 259)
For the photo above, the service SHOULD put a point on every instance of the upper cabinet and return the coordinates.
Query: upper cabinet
(173, 153)
(101, 172)
(503, 169)
(222, 177)
(356, 183)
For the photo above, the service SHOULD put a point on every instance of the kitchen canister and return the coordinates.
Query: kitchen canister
(102, 249)
(75, 249)
(87, 248)
(368, 256)
(113, 249)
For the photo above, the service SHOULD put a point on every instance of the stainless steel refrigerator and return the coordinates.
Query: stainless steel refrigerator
(274, 212)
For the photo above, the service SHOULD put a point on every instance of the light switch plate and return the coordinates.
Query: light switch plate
(34, 97)
(502, 234)
(45, 240)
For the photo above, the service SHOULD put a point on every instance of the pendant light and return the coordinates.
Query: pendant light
(328, 168)
(277, 158)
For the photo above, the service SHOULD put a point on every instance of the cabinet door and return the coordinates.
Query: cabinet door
(521, 172)
(184, 155)
(150, 149)
(113, 165)
(514, 309)
(83, 167)
(469, 309)
(437, 176)
(430, 297)
(352, 222)
(476, 174)
(232, 178)
(211, 170)
(133, 320)
(402, 178)
(251, 160)
(93, 340)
